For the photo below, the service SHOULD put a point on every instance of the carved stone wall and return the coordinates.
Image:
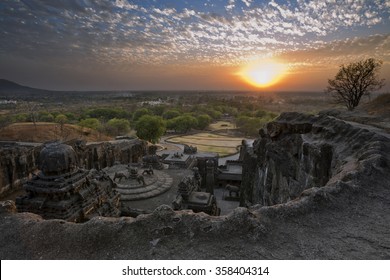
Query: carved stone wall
(294, 153)
(18, 161)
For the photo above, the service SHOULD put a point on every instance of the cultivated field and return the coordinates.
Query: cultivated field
(222, 125)
(209, 142)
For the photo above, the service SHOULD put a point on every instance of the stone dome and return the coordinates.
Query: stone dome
(56, 158)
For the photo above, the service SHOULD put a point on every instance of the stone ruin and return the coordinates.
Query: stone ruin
(18, 160)
(340, 212)
(189, 196)
(190, 150)
(62, 190)
(152, 160)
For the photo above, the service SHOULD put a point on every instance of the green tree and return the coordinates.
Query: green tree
(260, 113)
(61, 119)
(107, 113)
(4, 121)
(117, 126)
(70, 116)
(171, 114)
(45, 117)
(139, 113)
(92, 123)
(183, 123)
(158, 110)
(150, 128)
(215, 114)
(23, 117)
(250, 125)
(203, 121)
(355, 80)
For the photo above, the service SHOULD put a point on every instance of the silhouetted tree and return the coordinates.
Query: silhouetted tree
(355, 80)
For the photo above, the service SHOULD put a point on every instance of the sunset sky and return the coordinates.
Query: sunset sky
(188, 45)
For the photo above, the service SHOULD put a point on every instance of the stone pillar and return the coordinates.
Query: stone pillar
(210, 177)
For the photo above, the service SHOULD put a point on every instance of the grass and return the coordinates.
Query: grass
(208, 142)
(222, 125)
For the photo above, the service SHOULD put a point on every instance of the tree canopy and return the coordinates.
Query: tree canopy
(140, 112)
(117, 126)
(355, 80)
(203, 121)
(183, 123)
(93, 123)
(150, 128)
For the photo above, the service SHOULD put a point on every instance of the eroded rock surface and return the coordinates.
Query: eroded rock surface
(341, 213)
(19, 160)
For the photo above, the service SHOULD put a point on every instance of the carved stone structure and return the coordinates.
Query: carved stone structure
(190, 150)
(286, 160)
(178, 160)
(201, 164)
(189, 197)
(137, 186)
(61, 190)
(133, 172)
(231, 173)
(152, 160)
(349, 215)
(187, 185)
(197, 176)
(19, 160)
(210, 176)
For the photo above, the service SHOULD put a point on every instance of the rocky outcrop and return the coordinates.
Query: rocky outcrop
(298, 152)
(102, 154)
(342, 212)
(61, 190)
(19, 160)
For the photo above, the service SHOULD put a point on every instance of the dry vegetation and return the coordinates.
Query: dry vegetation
(43, 132)
(380, 106)
(222, 125)
(209, 142)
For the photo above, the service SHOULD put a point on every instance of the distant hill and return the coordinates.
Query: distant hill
(7, 86)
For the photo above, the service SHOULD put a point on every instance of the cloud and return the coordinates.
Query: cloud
(230, 6)
(247, 2)
(133, 33)
(332, 54)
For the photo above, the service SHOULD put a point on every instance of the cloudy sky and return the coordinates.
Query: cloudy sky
(191, 45)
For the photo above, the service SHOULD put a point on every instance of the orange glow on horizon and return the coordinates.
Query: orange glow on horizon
(263, 74)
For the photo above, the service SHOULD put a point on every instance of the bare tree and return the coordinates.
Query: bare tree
(354, 81)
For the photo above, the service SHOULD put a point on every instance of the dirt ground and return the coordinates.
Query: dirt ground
(210, 142)
(43, 132)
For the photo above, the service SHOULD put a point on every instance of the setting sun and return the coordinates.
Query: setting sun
(263, 74)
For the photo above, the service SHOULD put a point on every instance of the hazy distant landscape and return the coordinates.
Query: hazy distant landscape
(21, 104)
